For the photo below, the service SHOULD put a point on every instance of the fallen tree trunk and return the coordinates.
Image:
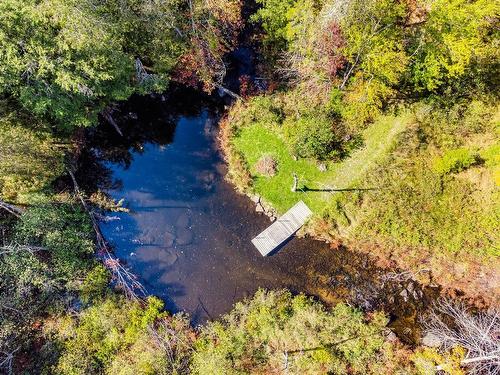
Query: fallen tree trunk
(228, 92)
(469, 361)
(10, 208)
(109, 118)
(124, 279)
(12, 249)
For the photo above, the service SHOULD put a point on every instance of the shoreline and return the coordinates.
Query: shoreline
(473, 293)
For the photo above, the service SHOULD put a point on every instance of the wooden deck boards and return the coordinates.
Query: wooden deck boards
(282, 229)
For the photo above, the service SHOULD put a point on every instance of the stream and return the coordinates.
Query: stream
(187, 233)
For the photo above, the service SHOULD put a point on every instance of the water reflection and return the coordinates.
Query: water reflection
(188, 233)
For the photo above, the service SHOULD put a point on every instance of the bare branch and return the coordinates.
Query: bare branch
(6, 361)
(109, 118)
(228, 92)
(167, 339)
(15, 248)
(478, 334)
(123, 278)
(10, 208)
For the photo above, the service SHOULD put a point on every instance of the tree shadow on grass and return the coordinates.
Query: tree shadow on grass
(307, 189)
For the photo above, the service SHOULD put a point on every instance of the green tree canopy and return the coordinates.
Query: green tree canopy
(456, 36)
(275, 331)
(30, 158)
(66, 60)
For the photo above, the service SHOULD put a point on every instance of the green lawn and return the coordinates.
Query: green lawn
(256, 140)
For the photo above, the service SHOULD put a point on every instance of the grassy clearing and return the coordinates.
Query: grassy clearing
(258, 139)
(436, 202)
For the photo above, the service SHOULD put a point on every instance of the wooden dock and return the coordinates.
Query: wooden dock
(282, 229)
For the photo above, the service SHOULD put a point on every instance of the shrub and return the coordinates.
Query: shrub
(267, 166)
(117, 336)
(491, 155)
(275, 330)
(66, 233)
(29, 160)
(310, 137)
(426, 361)
(95, 284)
(454, 161)
(363, 101)
(238, 172)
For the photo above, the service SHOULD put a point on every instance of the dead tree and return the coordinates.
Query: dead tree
(169, 341)
(15, 248)
(10, 208)
(478, 334)
(7, 360)
(123, 278)
(107, 114)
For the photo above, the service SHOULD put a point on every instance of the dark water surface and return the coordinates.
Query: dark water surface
(188, 233)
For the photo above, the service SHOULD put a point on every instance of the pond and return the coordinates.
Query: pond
(187, 233)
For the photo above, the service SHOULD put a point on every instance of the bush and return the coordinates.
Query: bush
(64, 231)
(454, 161)
(275, 330)
(363, 101)
(117, 336)
(267, 166)
(310, 137)
(427, 359)
(29, 160)
(95, 284)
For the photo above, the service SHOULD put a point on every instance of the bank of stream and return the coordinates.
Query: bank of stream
(187, 233)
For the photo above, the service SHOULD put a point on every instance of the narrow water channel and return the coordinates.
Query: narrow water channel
(187, 233)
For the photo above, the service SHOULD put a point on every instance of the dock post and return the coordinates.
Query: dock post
(295, 182)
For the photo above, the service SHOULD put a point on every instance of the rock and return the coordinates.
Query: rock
(182, 221)
(255, 198)
(184, 237)
(269, 210)
(404, 294)
(410, 287)
(322, 167)
(167, 257)
(259, 208)
(391, 336)
(145, 254)
(431, 340)
(168, 239)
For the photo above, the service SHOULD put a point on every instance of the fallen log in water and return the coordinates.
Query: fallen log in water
(124, 279)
